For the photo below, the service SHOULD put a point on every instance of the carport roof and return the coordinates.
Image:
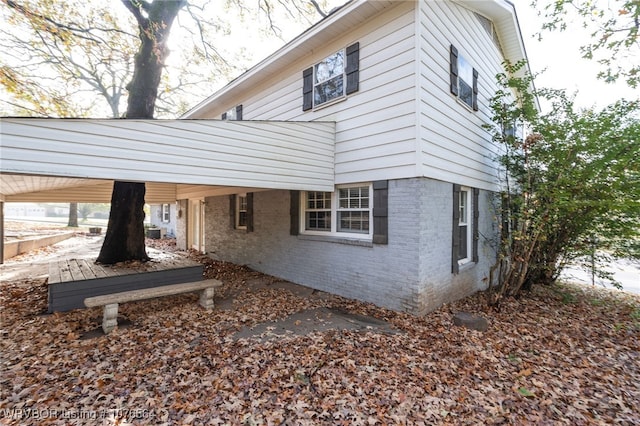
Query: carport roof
(54, 159)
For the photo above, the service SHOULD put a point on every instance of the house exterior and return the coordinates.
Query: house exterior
(164, 216)
(410, 222)
(353, 160)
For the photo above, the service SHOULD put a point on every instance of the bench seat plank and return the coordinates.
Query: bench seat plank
(150, 293)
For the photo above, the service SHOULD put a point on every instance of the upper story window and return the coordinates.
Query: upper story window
(234, 114)
(464, 79)
(490, 29)
(333, 78)
(345, 212)
(328, 78)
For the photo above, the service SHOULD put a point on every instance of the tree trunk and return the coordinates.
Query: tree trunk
(124, 239)
(73, 215)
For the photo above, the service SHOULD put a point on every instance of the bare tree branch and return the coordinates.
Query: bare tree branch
(318, 8)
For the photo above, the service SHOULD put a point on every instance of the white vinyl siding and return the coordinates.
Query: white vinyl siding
(275, 155)
(403, 122)
(380, 117)
(454, 147)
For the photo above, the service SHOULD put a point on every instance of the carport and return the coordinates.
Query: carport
(63, 160)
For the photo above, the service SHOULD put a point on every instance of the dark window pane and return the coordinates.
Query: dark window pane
(353, 222)
(466, 93)
(330, 89)
(462, 251)
(242, 218)
(318, 221)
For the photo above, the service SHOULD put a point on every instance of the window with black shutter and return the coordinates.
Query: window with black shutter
(463, 79)
(355, 212)
(331, 79)
(465, 232)
(241, 211)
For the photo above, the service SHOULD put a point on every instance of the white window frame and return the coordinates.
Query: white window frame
(466, 219)
(240, 200)
(166, 213)
(334, 212)
(317, 82)
(465, 66)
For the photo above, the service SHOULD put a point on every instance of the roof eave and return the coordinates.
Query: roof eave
(314, 37)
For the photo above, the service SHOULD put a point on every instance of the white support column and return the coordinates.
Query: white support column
(206, 298)
(1, 232)
(110, 318)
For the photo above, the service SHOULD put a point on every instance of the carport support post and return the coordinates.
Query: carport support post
(1, 232)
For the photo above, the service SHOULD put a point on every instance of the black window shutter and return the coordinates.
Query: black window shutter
(307, 89)
(239, 112)
(249, 211)
(475, 90)
(232, 210)
(353, 68)
(224, 115)
(453, 69)
(455, 234)
(380, 212)
(294, 212)
(476, 231)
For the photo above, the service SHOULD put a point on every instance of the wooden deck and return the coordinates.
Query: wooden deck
(73, 280)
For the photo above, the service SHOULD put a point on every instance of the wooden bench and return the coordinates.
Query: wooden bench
(111, 301)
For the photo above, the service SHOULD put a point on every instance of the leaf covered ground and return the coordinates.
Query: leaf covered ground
(565, 355)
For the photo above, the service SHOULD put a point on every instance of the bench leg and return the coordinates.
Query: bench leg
(206, 298)
(110, 318)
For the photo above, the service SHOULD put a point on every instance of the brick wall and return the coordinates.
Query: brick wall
(412, 273)
(181, 224)
(438, 285)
